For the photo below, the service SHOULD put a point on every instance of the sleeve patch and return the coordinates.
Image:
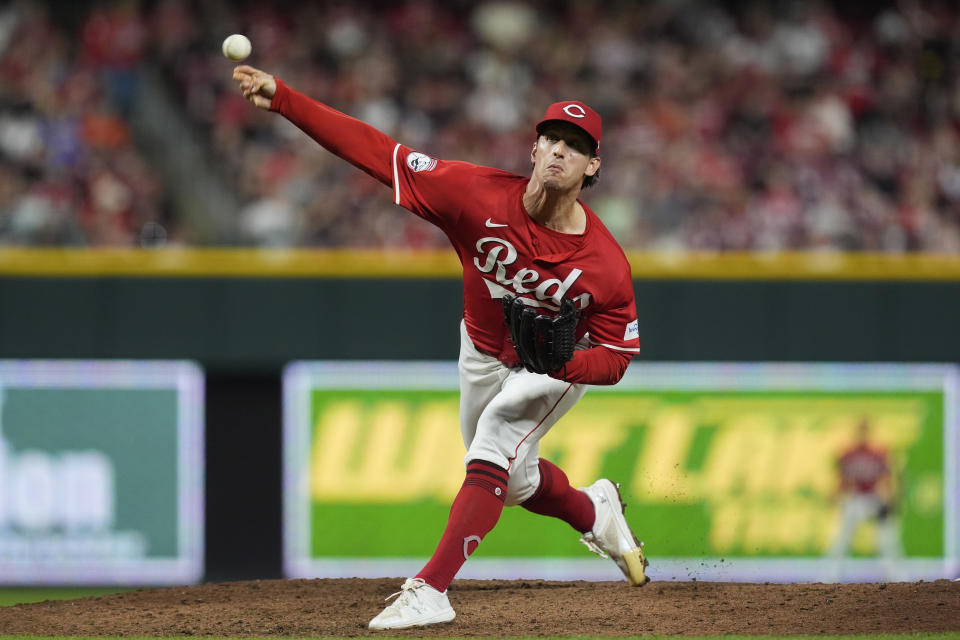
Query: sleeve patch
(632, 332)
(420, 162)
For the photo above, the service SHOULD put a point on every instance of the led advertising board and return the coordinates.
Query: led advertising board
(101, 472)
(730, 471)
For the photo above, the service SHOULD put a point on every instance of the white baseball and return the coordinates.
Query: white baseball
(237, 47)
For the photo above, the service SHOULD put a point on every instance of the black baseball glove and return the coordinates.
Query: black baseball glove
(543, 343)
(884, 511)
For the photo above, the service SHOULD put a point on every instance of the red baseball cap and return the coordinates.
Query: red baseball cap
(578, 114)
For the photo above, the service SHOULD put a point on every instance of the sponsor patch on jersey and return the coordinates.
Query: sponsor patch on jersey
(633, 331)
(420, 161)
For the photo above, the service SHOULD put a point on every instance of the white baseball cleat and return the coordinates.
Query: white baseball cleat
(417, 605)
(611, 535)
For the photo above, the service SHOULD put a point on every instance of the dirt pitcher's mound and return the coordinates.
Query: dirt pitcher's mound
(488, 608)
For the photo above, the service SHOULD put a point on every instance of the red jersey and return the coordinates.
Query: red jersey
(502, 249)
(861, 468)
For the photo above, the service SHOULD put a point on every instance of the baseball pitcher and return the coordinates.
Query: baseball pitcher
(548, 309)
(866, 493)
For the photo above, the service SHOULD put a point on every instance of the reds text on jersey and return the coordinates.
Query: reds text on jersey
(504, 251)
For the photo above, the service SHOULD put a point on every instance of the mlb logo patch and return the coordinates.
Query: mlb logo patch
(420, 162)
(632, 332)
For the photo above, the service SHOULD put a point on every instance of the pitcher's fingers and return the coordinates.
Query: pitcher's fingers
(240, 75)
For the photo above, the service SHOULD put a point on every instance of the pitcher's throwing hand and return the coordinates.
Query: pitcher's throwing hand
(257, 87)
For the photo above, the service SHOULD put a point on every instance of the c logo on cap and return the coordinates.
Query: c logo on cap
(569, 110)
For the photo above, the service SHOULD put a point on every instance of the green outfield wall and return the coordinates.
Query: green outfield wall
(254, 310)
(260, 324)
(243, 315)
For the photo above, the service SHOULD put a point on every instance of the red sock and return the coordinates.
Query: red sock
(555, 497)
(475, 511)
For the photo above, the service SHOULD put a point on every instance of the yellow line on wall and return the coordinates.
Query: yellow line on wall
(228, 263)
(343, 263)
(795, 266)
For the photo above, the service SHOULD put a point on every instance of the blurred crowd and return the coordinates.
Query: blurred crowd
(70, 170)
(728, 125)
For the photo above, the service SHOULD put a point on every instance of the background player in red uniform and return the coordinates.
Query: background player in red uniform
(527, 237)
(866, 493)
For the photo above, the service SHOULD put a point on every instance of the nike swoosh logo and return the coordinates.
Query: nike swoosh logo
(490, 223)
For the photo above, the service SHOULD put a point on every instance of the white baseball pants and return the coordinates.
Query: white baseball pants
(504, 412)
(856, 509)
